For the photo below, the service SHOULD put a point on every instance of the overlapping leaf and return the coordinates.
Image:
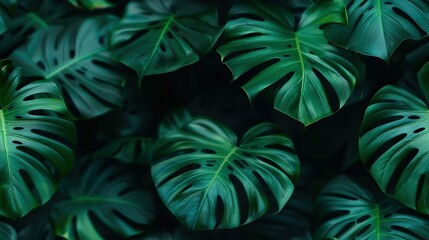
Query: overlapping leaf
(105, 191)
(312, 78)
(129, 150)
(77, 58)
(204, 171)
(33, 15)
(349, 209)
(161, 36)
(394, 141)
(35, 143)
(7, 232)
(378, 27)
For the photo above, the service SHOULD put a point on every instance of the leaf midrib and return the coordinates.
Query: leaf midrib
(216, 174)
(158, 42)
(73, 62)
(4, 138)
(301, 61)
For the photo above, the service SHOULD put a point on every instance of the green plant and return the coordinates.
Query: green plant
(245, 119)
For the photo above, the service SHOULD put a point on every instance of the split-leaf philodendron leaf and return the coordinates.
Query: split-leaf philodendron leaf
(36, 141)
(377, 27)
(161, 36)
(77, 58)
(394, 141)
(204, 169)
(92, 4)
(354, 209)
(33, 15)
(106, 191)
(7, 11)
(311, 77)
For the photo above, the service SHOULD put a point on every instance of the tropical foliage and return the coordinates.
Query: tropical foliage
(247, 119)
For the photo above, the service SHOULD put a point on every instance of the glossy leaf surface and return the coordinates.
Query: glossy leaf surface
(36, 141)
(204, 170)
(312, 78)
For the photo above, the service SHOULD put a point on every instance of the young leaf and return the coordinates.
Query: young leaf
(7, 10)
(36, 141)
(394, 140)
(105, 191)
(92, 4)
(77, 58)
(313, 78)
(7, 232)
(378, 27)
(161, 36)
(204, 170)
(349, 209)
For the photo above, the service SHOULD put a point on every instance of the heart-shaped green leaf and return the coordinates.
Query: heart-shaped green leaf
(378, 27)
(102, 191)
(394, 143)
(312, 78)
(161, 36)
(92, 4)
(35, 141)
(349, 209)
(209, 179)
(7, 11)
(77, 58)
(31, 16)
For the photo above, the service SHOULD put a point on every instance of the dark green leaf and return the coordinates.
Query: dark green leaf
(204, 170)
(129, 150)
(161, 36)
(76, 57)
(31, 16)
(377, 27)
(92, 4)
(38, 229)
(394, 141)
(36, 141)
(312, 78)
(351, 209)
(105, 191)
(7, 11)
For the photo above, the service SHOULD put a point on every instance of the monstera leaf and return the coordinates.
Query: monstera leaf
(76, 57)
(92, 4)
(103, 200)
(377, 27)
(129, 150)
(31, 16)
(312, 78)
(7, 10)
(394, 141)
(208, 179)
(7, 232)
(36, 140)
(161, 36)
(347, 209)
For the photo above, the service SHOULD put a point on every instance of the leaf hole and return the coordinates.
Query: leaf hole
(187, 168)
(330, 93)
(220, 208)
(333, 215)
(208, 151)
(414, 117)
(386, 146)
(381, 122)
(391, 186)
(407, 17)
(242, 198)
(412, 234)
(275, 165)
(18, 128)
(41, 65)
(363, 218)
(419, 130)
(281, 147)
(133, 38)
(17, 142)
(53, 136)
(72, 53)
(28, 181)
(363, 230)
